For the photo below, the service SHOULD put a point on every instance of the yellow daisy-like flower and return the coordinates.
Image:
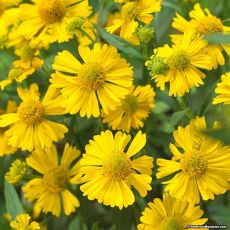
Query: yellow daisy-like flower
(9, 14)
(29, 127)
(203, 23)
(170, 213)
(201, 164)
(109, 172)
(50, 190)
(5, 148)
(182, 61)
(47, 20)
(223, 89)
(114, 16)
(103, 78)
(23, 222)
(133, 12)
(133, 109)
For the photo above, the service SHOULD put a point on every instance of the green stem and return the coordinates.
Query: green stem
(86, 34)
(184, 105)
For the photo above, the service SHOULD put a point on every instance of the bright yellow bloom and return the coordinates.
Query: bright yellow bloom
(103, 79)
(29, 127)
(132, 13)
(133, 109)
(109, 172)
(47, 20)
(203, 22)
(50, 190)
(17, 172)
(9, 14)
(114, 16)
(201, 164)
(181, 62)
(23, 223)
(223, 89)
(5, 148)
(170, 214)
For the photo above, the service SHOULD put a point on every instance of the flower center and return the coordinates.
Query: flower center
(2, 8)
(51, 11)
(179, 60)
(31, 112)
(194, 164)
(129, 10)
(91, 76)
(210, 24)
(56, 179)
(130, 104)
(117, 166)
(171, 223)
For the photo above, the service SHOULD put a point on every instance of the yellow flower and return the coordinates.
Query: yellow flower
(223, 89)
(132, 13)
(114, 16)
(17, 172)
(47, 20)
(203, 23)
(170, 213)
(29, 127)
(200, 164)
(23, 222)
(178, 65)
(133, 109)
(5, 148)
(9, 14)
(103, 78)
(50, 190)
(109, 172)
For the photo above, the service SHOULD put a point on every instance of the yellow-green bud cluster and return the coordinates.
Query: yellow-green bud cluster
(156, 66)
(17, 172)
(145, 33)
(74, 25)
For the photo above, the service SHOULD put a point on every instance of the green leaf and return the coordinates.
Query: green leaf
(96, 226)
(13, 204)
(77, 223)
(120, 43)
(177, 117)
(218, 38)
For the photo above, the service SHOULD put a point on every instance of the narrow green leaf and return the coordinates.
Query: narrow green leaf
(96, 226)
(177, 117)
(120, 43)
(13, 204)
(77, 223)
(172, 6)
(218, 38)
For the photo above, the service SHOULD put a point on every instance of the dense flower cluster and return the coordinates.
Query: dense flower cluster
(84, 103)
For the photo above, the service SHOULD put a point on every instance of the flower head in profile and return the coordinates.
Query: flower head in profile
(27, 63)
(29, 127)
(223, 90)
(132, 13)
(23, 222)
(47, 20)
(109, 172)
(102, 80)
(200, 164)
(5, 148)
(170, 213)
(49, 190)
(203, 22)
(179, 65)
(133, 109)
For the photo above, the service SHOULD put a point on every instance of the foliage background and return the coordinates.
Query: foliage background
(168, 113)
